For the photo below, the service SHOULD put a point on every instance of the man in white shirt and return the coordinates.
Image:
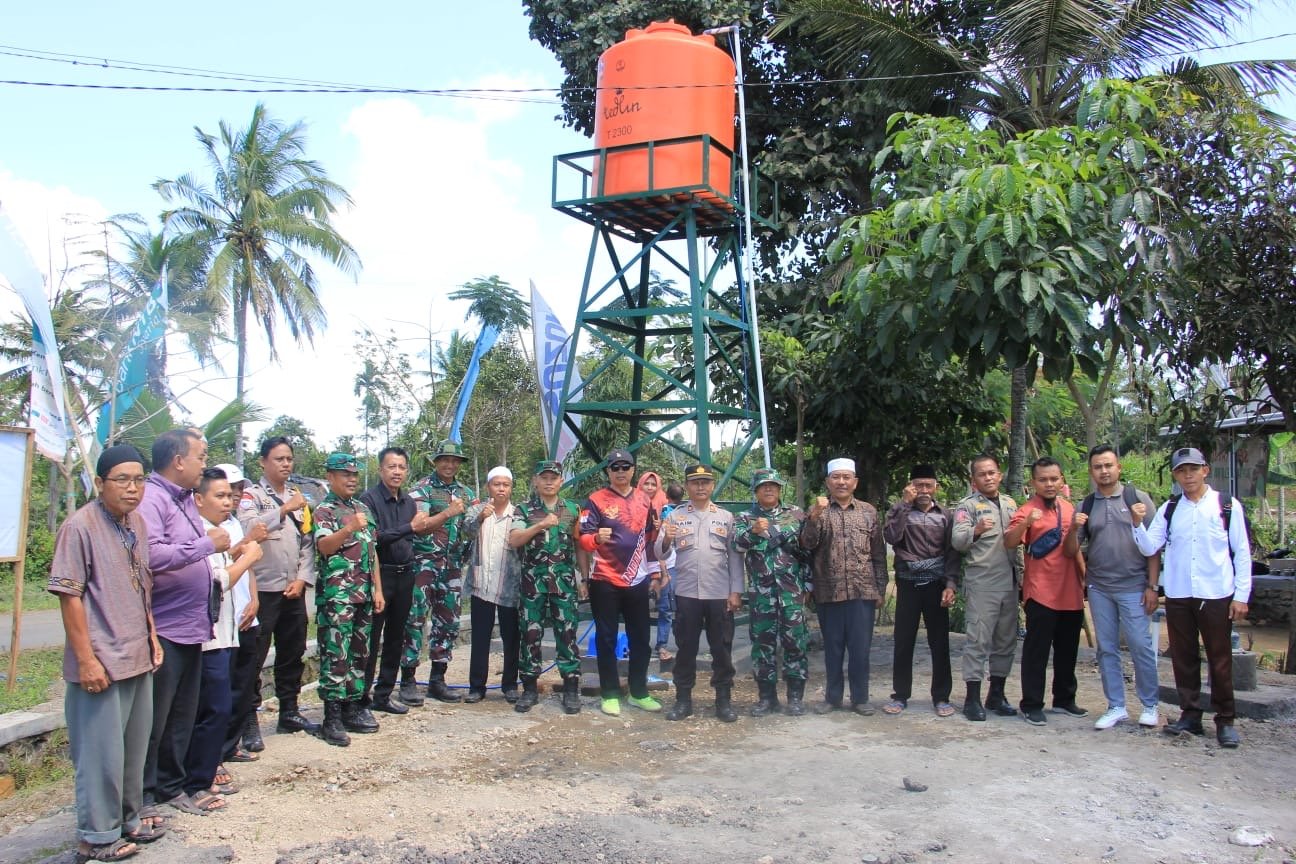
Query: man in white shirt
(1207, 580)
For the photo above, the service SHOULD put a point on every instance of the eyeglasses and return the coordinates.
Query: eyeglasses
(124, 482)
(620, 466)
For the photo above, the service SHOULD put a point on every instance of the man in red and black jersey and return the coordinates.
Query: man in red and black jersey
(619, 526)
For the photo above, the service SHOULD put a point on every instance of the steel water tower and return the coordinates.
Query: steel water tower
(662, 191)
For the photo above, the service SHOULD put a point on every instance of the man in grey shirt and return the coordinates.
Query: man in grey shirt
(1122, 584)
(708, 590)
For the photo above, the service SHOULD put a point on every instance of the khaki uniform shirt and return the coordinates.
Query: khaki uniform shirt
(986, 563)
(287, 554)
(708, 566)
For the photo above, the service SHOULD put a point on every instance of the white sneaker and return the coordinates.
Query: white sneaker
(1110, 718)
(1149, 717)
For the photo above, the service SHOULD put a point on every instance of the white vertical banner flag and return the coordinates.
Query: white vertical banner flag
(552, 348)
(48, 411)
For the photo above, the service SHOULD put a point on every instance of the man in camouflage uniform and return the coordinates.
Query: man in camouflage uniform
(440, 553)
(544, 533)
(769, 536)
(348, 590)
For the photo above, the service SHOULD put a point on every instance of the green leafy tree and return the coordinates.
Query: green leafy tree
(1018, 65)
(1000, 250)
(1235, 301)
(267, 210)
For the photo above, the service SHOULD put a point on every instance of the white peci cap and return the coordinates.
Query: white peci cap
(841, 465)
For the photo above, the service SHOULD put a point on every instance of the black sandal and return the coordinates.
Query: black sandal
(118, 850)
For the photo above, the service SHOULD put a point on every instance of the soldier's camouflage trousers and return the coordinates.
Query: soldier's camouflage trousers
(557, 611)
(437, 586)
(343, 638)
(778, 618)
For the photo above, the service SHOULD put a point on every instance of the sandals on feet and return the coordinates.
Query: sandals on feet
(223, 777)
(145, 833)
(895, 706)
(150, 815)
(208, 802)
(118, 850)
(241, 755)
(944, 709)
(663, 655)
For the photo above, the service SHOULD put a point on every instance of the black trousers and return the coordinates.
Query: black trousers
(284, 621)
(1186, 618)
(913, 602)
(481, 617)
(692, 617)
(215, 701)
(176, 685)
(1049, 630)
(244, 672)
(609, 604)
(387, 637)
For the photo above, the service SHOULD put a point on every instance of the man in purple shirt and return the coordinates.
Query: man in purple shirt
(182, 581)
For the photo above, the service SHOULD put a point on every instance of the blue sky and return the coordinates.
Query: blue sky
(445, 189)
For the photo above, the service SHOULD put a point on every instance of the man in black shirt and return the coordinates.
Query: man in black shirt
(398, 521)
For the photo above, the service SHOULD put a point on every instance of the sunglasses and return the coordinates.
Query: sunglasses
(620, 466)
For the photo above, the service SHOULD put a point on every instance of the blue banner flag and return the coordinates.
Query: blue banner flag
(132, 374)
(485, 342)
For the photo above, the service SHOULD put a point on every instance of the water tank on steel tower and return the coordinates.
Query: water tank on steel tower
(663, 82)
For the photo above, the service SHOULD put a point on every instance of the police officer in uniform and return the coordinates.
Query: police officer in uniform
(708, 590)
(779, 573)
(347, 594)
(441, 550)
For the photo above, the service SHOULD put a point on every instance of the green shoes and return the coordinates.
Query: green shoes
(647, 703)
(611, 707)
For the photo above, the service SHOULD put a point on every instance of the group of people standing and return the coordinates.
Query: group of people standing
(174, 584)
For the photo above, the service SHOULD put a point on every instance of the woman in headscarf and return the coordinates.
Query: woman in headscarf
(651, 487)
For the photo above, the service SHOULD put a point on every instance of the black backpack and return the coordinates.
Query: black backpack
(1226, 516)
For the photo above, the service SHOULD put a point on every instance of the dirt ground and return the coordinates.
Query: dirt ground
(486, 785)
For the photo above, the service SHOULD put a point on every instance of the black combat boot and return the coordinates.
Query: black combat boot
(437, 688)
(252, 735)
(724, 711)
(292, 720)
(571, 694)
(410, 693)
(972, 707)
(333, 731)
(683, 706)
(768, 702)
(795, 695)
(995, 700)
(530, 696)
(353, 719)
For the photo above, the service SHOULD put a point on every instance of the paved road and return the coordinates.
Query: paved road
(42, 628)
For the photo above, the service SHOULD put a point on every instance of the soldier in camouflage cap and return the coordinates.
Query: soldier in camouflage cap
(554, 571)
(440, 553)
(348, 590)
(779, 580)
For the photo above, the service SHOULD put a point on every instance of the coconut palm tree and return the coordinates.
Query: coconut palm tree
(267, 209)
(143, 258)
(1026, 65)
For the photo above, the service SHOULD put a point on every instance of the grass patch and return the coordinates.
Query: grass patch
(34, 595)
(38, 670)
(42, 764)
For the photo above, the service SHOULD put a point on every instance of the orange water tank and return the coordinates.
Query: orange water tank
(663, 82)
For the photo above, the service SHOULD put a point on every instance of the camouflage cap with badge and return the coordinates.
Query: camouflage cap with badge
(449, 448)
(341, 462)
(767, 475)
(548, 466)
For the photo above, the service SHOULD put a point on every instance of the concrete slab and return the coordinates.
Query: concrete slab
(16, 725)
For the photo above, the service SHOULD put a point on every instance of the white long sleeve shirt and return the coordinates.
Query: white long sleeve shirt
(1197, 558)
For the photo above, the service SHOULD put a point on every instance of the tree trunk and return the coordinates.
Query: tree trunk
(240, 339)
(1015, 479)
(800, 451)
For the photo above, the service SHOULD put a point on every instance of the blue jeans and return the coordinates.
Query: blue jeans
(1114, 615)
(665, 611)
